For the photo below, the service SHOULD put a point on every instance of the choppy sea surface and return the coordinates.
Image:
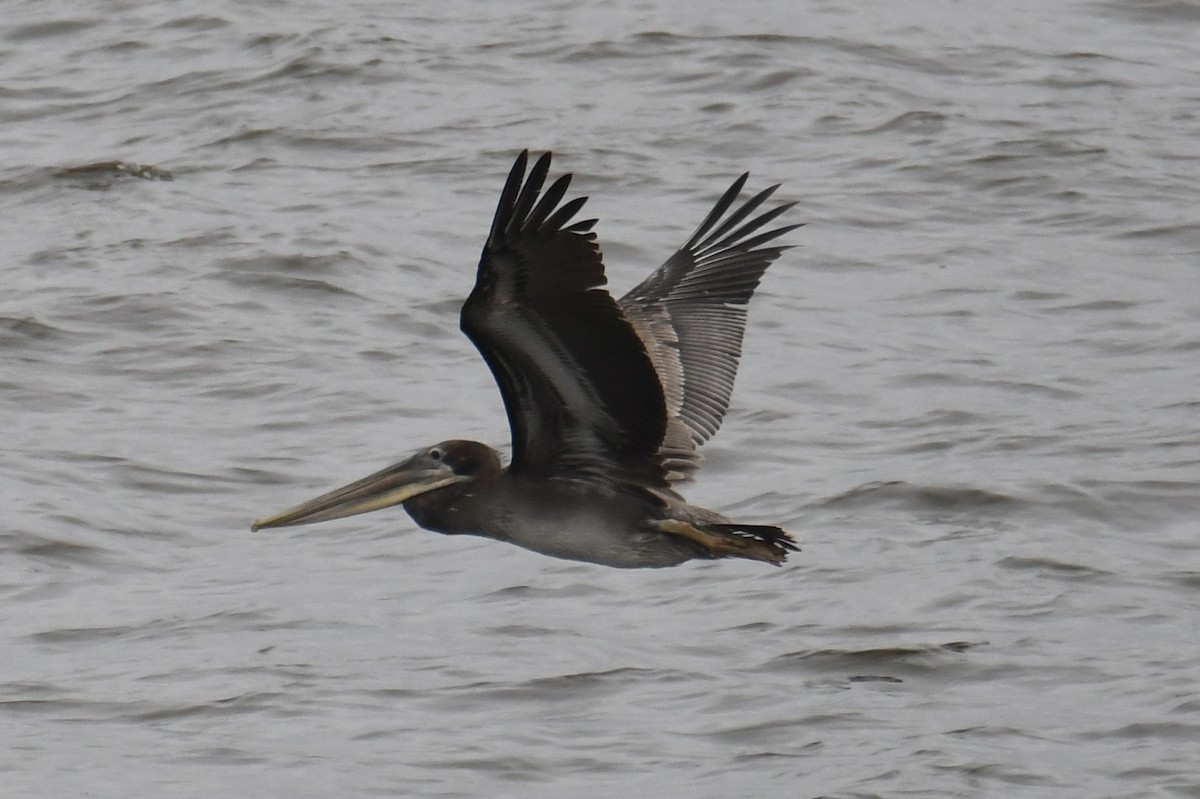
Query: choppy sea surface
(235, 238)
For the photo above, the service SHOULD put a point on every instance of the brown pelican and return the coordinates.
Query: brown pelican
(608, 401)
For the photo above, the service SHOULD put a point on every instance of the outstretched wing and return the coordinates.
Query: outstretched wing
(580, 391)
(691, 315)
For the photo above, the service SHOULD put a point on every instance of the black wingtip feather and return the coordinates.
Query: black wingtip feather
(718, 211)
(549, 201)
(770, 235)
(564, 214)
(508, 197)
(722, 236)
(582, 226)
(529, 192)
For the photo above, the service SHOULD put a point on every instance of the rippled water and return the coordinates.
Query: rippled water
(235, 241)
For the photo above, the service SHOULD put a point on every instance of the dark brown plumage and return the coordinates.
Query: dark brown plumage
(608, 402)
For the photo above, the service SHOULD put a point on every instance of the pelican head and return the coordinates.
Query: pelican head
(428, 469)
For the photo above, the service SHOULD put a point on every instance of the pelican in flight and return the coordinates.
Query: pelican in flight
(608, 400)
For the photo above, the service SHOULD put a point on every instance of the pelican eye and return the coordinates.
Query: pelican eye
(435, 453)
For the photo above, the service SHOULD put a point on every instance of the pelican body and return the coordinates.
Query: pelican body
(608, 401)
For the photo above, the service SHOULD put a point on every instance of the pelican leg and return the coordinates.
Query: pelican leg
(722, 543)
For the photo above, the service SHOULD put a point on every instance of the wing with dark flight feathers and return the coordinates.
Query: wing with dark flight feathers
(691, 315)
(580, 391)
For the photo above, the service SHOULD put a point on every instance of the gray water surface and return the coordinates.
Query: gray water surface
(235, 239)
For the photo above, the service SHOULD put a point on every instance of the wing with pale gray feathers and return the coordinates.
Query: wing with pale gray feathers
(691, 316)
